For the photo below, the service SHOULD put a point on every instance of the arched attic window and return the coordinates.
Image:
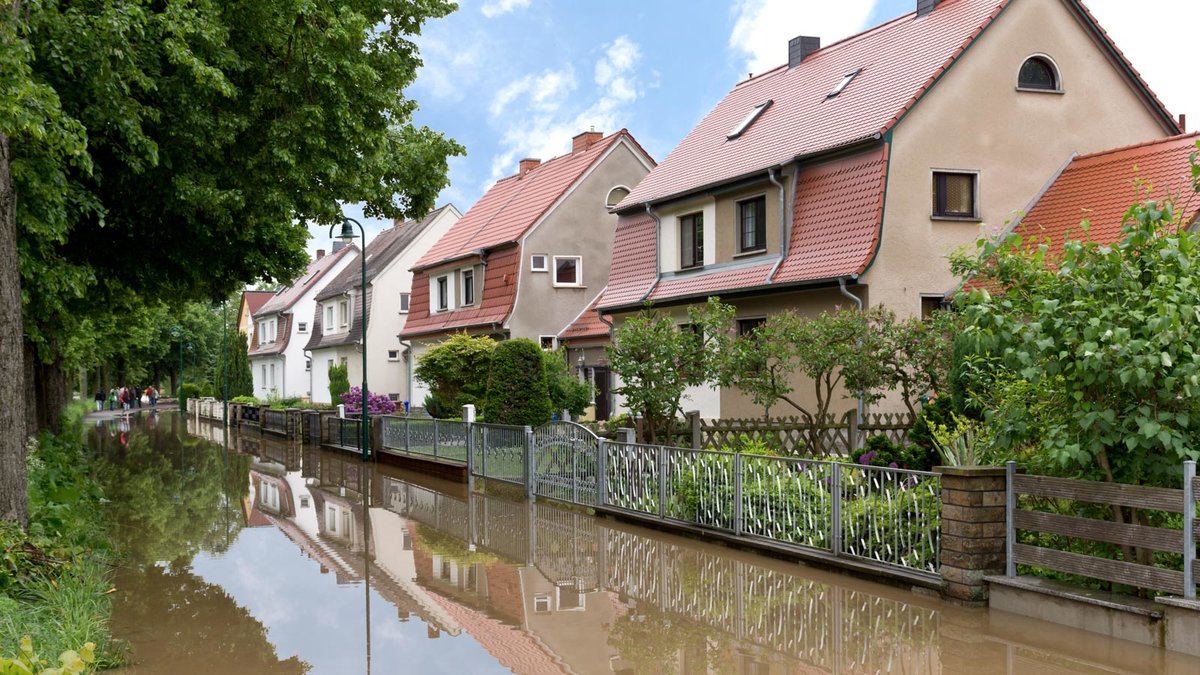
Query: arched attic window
(1039, 74)
(615, 196)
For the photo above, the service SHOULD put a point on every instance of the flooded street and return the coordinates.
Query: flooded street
(270, 557)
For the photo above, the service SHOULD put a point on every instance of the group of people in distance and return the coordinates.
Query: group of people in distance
(126, 397)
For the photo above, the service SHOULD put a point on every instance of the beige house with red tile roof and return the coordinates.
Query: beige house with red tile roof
(848, 174)
(252, 301)
(532, 254)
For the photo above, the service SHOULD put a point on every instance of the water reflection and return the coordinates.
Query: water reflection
(336, 566)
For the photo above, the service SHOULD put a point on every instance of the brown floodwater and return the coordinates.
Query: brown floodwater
(257, 555)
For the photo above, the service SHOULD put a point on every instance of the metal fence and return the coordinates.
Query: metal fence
(343, 432)
(888, 516)
(276, 421)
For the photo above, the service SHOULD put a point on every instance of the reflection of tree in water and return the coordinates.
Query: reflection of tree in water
(171, 497)
(653, 641)
(213, 630)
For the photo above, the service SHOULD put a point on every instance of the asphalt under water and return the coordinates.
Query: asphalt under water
(259, 555)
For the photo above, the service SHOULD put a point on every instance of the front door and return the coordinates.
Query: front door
(601, 379)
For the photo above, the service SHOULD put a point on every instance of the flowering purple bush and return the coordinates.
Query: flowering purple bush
(377, 404)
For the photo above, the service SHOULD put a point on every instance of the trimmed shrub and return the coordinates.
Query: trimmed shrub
(516, 391)
(185, 392)
(339, 382)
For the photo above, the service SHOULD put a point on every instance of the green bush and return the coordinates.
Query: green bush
(185, 392)
(244, 400)
(879, 450)
(939, 411)
(339, 382)
(567, 392)
(437, 408)
(516, 391)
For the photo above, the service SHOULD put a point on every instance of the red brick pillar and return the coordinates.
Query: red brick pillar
(972, 530)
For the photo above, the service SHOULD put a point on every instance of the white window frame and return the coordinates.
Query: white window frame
(578, 283)
(436, 296)
(405, 302)
(553, 339)
(544, 267)
(330, 316)
(343, 313)
(393, 355)
(302, 327)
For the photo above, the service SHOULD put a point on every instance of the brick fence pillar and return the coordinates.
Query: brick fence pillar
(972, 530)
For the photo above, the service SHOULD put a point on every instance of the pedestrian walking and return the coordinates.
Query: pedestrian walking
(152, 396)
(112, 398)
(99, 399)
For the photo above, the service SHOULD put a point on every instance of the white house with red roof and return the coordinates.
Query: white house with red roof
(282, 326)
(847, 175)
(336, 337)
(532, 254)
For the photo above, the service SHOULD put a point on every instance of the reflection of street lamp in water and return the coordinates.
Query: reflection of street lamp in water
(367, 545)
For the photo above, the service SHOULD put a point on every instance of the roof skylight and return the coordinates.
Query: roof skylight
(748, 120)
(846, 79)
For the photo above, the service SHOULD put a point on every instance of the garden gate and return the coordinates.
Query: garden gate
(564, 462)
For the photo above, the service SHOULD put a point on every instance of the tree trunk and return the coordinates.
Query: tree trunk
(13, 492)
(51, 393)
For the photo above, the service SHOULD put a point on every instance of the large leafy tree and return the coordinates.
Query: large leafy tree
(1101, 342)
(176, 150)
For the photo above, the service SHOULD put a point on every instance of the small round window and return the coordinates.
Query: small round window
(1038, 73)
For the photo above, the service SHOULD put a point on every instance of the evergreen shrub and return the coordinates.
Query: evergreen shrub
(517, 391)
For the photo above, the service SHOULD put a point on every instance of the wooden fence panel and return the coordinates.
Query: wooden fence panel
(1117, 571)
(1157, 538)
(1137, 496)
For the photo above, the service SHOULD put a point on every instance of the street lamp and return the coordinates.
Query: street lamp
(347, 236)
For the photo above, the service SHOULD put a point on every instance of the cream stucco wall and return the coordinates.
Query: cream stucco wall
(974, 119)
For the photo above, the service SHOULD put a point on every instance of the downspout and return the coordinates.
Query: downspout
(411, 358)
(859, 303)
(782, 224)
(657, 257)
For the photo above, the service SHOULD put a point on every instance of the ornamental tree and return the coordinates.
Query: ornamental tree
(456, 369)
(657, 360)
(516, 385)
(841, 354)
(1102, 342)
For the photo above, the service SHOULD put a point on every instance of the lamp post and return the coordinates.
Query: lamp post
(347, 236)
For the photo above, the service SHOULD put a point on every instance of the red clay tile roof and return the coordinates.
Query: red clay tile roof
(283, 330)
(495, 302)
(1101, 186)
(514, 648)
(254, 300)
(632, 273)
(900, 61)
(836, 218)
(835, 230)
(514, 204)
(587, 326)
(286, 297)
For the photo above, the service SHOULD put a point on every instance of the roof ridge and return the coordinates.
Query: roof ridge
(1143, 144)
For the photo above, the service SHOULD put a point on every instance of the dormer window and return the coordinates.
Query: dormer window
(846, 79)
(443, 293)
(753, 115)
(1039, 73)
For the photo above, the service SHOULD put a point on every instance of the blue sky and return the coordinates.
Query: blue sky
(517, 78)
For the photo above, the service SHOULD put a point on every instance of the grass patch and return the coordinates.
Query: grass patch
(54, 574)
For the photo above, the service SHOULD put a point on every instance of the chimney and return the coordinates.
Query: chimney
(528, 165)
(926, 6)
(338, 245)
(1182, 123)
(584, 141)
(800, 47)
(320, 253)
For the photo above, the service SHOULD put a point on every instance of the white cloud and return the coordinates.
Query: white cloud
(1160, 44)
(763, 27)
(540, 113)
(494, 8)
(451, 65)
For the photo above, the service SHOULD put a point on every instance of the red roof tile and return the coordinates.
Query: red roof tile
(1101, 186)
(286, 297)
(514, 204)
(835, 230)
(835, 224)
(900, 60)
(254, 300)
(632, 273)
(496, 300)
(587, 326)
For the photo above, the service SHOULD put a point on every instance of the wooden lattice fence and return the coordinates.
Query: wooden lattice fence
(841, 435)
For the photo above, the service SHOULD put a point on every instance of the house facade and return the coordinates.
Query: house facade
(337, 315)
(281, 326)
(251, 302)
(844, 177)
(532, 254)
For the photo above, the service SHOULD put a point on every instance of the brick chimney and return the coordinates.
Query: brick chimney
(926, 6)
(800, 47)
(320, 253)
(584, 141)
(528, 165)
